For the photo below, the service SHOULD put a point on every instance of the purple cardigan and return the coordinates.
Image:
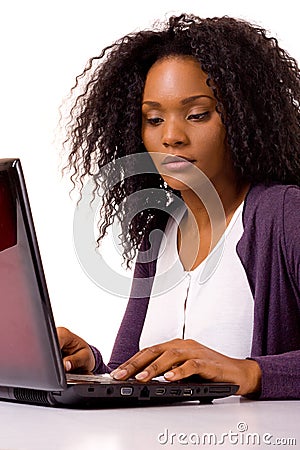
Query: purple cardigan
(269, 250)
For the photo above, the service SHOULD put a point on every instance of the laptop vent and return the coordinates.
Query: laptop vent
(31, 396)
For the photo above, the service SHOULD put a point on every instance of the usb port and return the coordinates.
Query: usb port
(188, 392)
(126, 391)
(160, 391)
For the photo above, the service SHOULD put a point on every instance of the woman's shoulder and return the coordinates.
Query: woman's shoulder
(269, 192)
(271, 201)
(271, 218)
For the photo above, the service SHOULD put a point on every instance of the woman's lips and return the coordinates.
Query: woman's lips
(176, 163)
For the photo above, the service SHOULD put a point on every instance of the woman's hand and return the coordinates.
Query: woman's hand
(180, 358)
(77, 354)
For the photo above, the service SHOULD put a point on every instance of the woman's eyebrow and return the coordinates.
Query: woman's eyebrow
(150, 103)
(183, 101)
(194, 97)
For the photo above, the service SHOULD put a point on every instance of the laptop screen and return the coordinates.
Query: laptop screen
(27, 356)
(8, 230)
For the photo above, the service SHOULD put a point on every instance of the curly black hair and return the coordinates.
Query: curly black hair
(257, 87)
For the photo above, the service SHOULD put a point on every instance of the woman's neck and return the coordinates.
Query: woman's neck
(200, 228)
(230, 197)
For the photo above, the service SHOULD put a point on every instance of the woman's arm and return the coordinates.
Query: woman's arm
(128, 337)
(127, 340)
(281, 372)
(280, 376)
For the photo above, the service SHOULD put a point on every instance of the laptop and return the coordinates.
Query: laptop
(31, 366)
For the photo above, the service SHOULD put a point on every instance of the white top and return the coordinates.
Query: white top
(211, 304)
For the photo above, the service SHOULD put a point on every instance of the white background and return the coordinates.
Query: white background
(44, 45)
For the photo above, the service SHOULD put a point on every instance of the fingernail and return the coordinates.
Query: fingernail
(169, 375)
(120, 374)
(68, 366)
(142, 375)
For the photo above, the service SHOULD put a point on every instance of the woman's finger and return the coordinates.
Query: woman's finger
(137, 362)
(148, 360)
(190, 367)
(169, 359)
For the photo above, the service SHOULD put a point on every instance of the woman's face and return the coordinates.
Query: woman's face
(180, 120)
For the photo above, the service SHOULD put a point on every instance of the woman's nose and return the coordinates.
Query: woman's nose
(173, 135)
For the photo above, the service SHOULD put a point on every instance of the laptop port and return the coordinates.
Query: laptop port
(219, 390)
(126, 391)
(175, 391)
(160, 391)
(187, 392)
(145, 392)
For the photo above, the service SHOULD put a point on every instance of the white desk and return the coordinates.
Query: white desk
(25, 427)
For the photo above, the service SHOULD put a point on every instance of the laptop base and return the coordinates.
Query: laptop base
(93, 395)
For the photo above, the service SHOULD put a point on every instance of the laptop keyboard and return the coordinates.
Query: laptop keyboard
(80, 378)
(104, 378)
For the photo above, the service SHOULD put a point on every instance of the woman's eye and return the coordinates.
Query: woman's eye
(198, 117)
(154, 120)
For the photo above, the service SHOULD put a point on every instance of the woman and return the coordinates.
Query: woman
(218, 98)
